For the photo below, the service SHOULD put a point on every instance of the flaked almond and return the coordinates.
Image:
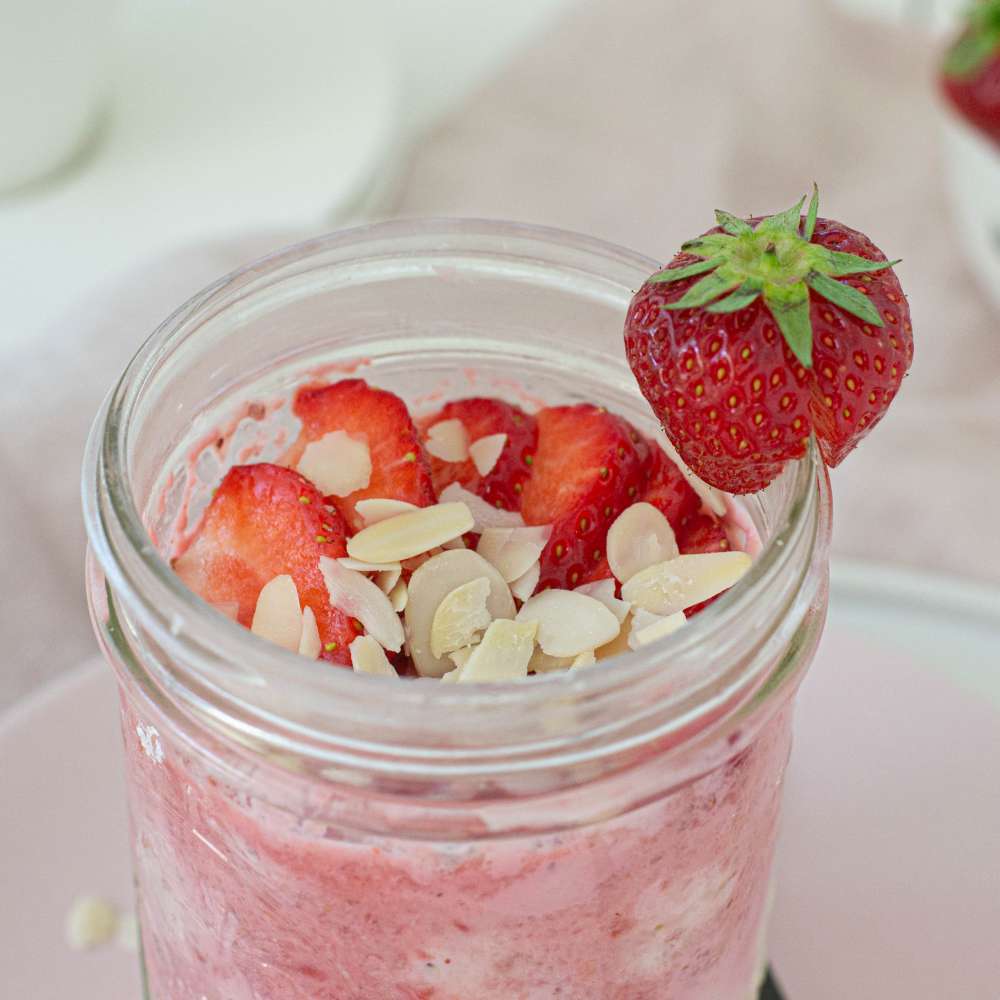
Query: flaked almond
(513, 550)
(448, 440)
(387, 579)
(354, 594)
(542, 663)
(399, 595)
(483, 514)
(411, 534)
(604, 591)
(461, 656)
(569, 623)
(337, 464)
(639, 537)
(309, 643)
(451, 676)
(647, 628)
(619, 644)
(460, 617)
(503, 654)
(712, 499)
(672, 586)
(376, 509)
(585, 659)
(278, 616)
(524, 586)
(486, 452)
(368, 657)
(430, 585)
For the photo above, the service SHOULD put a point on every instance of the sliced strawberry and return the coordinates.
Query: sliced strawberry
(400, 470)
(265, 520)
(503, 485)
(667, 489)
(701, 532)
(589, 466)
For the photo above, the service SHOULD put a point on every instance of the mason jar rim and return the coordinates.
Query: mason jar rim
(142, 581)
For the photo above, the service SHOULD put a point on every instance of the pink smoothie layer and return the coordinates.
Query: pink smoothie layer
(238, 901)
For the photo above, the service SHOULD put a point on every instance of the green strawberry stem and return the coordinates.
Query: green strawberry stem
(775, 260)
(978, 43)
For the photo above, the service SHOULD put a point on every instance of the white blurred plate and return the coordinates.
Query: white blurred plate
(889, 866)
(225, 117)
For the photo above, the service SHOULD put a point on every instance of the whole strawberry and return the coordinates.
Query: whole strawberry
(971, 73)
(763, 332)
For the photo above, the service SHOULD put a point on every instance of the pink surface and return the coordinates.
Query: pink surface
(889, 864)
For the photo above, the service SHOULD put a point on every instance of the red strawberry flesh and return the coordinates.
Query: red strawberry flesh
(264, 521)
(400, 470)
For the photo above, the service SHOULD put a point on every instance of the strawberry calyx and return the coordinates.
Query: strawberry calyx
(977, 44)
(775, 259)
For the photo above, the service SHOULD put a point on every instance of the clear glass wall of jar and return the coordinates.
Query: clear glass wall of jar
(300, 831)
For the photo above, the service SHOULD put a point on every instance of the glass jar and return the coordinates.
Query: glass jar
(300, 831)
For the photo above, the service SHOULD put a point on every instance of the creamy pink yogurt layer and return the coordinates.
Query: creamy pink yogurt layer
(239, 901)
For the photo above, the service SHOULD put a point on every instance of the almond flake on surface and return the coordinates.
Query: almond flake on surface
(430, 584)
(647, 628)
(672, 586)
(309, 641)
(639, 537)
(278, 616)
(367, 567)
(337, 464)
(451, 676)
(448, 440)
(486, 452)
(503, 654)
(368, 657)
(376, 509)
(569, 623)
(354, 594)
(483, 514)
(542, 663)
(712, 499)
(399, 595)
(407, 535)
(387, 579)
(460, 617)
(604, 591)
(585, 659)
(461, 656)
(513, 550)
(619, 644)
(524, 586)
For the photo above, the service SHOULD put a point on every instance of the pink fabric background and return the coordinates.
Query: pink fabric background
(630, 120)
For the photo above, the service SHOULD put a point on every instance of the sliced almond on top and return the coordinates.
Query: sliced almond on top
(399, 595)
(524, 586)
(583, 660)
(309, 642)
(368, 657)
(448, 440)
(430, 584)
(461, 656)
(460, 617)
(639, 537)
(503, 654)
(619, 644)
(672, 586)
(337, 464)
(647, 628)
(542, 663)
(451, 676)
(569, 623)
(354, 594)
(486, 452)
(376, 509)
(604, 591)
(483, 514)
(411, 534)
(513, 550)
(278, 616)
(387, 579)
